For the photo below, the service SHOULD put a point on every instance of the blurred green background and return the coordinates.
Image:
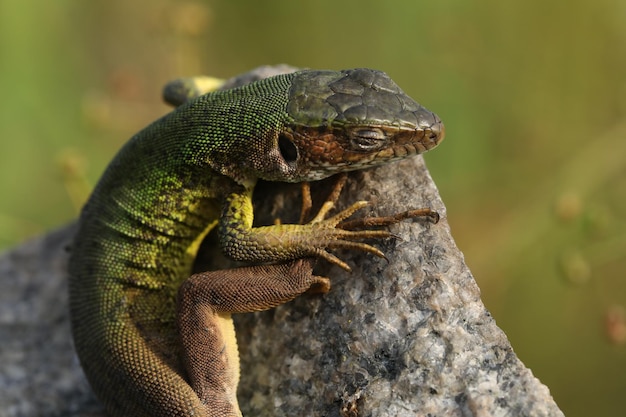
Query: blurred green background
(533, 170)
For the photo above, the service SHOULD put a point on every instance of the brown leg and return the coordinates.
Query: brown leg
(307, 203)
(332, 198)
(205, 303)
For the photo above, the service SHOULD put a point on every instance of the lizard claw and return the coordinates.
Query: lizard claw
(337, 233)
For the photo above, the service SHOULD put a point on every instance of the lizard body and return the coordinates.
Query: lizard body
(154, 341)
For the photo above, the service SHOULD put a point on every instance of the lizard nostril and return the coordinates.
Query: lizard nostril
(437, 131)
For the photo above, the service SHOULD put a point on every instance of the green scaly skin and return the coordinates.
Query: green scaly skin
(195, 169)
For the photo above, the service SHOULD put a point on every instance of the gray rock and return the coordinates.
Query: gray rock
(404, 337)
(39, 371)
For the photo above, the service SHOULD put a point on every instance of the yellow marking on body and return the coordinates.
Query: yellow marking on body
(192, 249)
(227, 329)
(207, 84)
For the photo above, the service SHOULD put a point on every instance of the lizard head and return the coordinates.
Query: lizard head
(349, 120)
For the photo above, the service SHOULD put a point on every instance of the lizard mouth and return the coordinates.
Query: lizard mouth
(404, 143)
(327, 150)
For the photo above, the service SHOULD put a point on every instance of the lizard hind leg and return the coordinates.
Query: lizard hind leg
(307, 202)
(205, 304)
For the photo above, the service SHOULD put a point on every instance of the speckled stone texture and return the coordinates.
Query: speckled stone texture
(404, 337)
(408, 337)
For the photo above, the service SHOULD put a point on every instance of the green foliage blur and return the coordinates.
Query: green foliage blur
(533, 169)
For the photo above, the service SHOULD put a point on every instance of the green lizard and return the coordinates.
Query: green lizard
(154, 341)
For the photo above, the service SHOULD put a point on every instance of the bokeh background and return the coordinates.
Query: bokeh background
(533, 170)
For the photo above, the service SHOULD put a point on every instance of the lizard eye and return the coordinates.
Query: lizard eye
(367, 139)
(287, 149)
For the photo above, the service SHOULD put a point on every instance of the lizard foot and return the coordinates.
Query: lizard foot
(344, 234)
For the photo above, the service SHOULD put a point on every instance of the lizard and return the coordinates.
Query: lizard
(156, 340)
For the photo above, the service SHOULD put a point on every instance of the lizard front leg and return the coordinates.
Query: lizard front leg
(285, 242)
